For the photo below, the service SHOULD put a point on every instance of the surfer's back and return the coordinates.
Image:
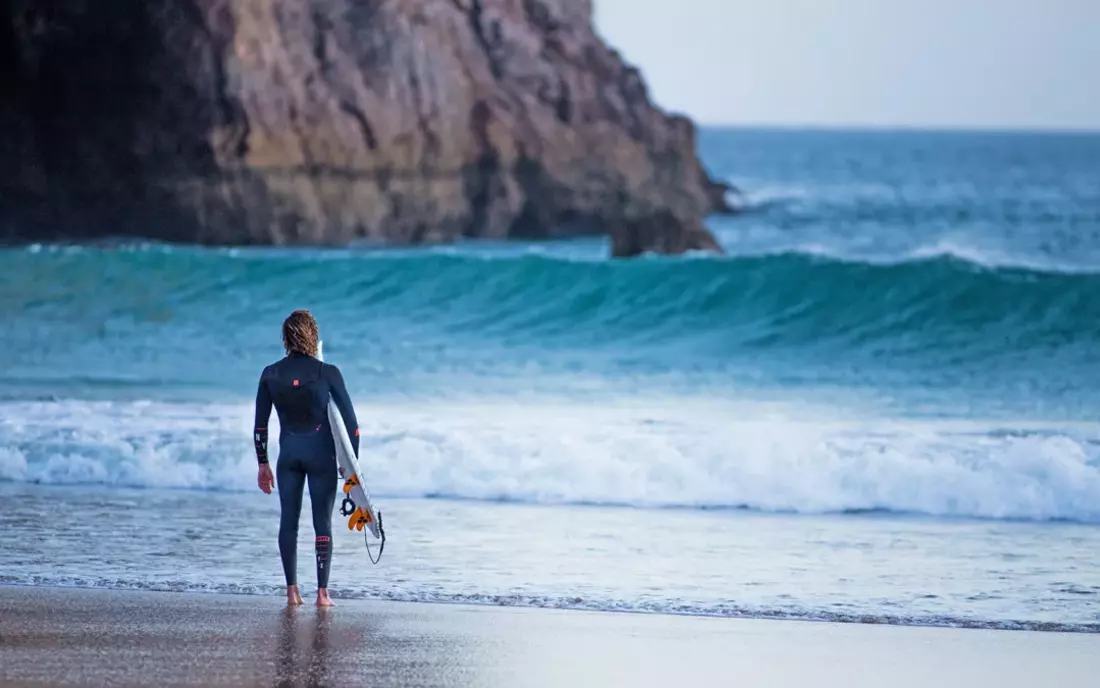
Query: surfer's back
(299, 387)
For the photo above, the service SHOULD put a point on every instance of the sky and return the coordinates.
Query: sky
(1018, 64)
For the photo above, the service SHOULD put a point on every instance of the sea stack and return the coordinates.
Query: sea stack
(334, 121)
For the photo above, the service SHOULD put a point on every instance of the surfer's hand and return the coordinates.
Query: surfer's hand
(265, 480)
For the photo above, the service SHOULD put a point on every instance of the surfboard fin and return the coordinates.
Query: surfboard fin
(350, 483)
(360, 518)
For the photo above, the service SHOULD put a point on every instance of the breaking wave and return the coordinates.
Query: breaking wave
(699, 457)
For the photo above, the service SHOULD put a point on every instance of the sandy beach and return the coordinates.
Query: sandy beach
(54, 637)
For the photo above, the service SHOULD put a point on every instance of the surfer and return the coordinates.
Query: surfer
(299, 386)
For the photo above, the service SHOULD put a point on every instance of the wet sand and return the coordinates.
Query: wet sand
(54, 637)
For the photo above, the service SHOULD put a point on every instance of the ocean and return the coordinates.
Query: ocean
(880, 406)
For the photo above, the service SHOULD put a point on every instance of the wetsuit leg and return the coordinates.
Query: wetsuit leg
(321, 471)
(290, 478)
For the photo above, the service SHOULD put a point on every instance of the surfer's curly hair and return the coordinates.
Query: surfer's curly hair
(300, 333)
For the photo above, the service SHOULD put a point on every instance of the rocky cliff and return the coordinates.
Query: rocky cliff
(329, 121)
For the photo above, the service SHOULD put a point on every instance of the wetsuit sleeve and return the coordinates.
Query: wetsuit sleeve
(263, 414)
(343, 403)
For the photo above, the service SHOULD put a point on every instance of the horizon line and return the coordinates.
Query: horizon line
(896, 128)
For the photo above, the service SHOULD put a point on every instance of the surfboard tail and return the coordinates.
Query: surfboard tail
(357, 504)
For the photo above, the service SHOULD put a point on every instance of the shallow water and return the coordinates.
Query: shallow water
(868, 568)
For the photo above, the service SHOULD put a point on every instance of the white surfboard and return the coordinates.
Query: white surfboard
(357, 504)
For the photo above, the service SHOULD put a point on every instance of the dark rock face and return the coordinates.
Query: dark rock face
(329, 121)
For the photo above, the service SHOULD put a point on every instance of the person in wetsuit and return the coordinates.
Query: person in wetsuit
(299, 386)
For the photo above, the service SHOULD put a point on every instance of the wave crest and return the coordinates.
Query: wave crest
(928, 302)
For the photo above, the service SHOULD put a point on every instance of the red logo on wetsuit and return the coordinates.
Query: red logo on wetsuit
(295, 383)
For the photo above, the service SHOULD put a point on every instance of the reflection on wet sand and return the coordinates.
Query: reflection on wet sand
(303, 654)
(308, 646)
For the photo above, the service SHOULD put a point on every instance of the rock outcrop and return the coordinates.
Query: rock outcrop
(333, 121)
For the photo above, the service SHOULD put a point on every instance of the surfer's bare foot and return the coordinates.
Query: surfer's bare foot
(323, 600)
(293, 597)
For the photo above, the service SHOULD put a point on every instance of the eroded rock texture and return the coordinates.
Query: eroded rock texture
(329, 121)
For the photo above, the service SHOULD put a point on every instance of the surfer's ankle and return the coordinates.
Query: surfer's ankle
(292, 595)
(323, 600)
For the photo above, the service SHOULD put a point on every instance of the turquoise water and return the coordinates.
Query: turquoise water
(906, 326)
(945, 336)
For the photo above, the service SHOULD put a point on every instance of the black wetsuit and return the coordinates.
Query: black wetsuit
(299, 386)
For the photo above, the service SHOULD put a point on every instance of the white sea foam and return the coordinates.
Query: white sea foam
(755, 196)
(125, 444)
(648, 457)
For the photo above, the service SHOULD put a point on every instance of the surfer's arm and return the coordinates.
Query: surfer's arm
(263, 414)
(343, 403)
